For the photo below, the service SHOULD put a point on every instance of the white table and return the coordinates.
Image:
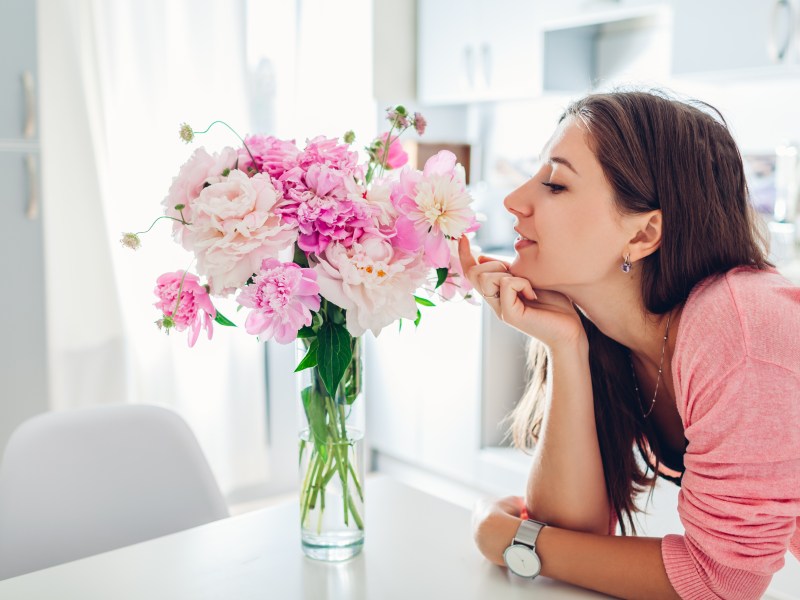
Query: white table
(417, 547)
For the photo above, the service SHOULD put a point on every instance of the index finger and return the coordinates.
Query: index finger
(465, 254)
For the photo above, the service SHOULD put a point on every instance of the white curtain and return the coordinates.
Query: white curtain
(118, 77)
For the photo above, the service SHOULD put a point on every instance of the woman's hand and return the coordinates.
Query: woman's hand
(494, 525)
(548, 316)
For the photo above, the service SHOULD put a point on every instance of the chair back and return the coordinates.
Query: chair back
(84, 481)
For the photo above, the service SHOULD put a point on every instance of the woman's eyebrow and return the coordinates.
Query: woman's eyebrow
(562, 161)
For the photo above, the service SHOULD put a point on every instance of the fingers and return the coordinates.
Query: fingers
(464, 254)
(510, 287)
(486, 259)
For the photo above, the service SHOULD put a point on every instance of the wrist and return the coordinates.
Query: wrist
(495, 534)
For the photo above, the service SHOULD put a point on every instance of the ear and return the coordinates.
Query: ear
(646, 237)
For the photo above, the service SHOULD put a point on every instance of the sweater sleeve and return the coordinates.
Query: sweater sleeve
(740, 494)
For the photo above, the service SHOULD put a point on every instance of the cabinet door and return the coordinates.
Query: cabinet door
(714, 36)
(446, 53)
(23, 358)
(508, 49)
(18, 32)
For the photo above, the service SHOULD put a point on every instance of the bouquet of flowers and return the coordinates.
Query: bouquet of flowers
(319, 247)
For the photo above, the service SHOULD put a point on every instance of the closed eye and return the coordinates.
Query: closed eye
(554, 187)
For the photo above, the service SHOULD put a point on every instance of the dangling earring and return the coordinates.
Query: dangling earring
(626, 264)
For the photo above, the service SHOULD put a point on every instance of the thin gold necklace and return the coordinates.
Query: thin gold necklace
(658, 379)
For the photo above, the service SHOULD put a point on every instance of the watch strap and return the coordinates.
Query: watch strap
(527, 533)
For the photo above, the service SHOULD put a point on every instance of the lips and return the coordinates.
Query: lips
(523, 238)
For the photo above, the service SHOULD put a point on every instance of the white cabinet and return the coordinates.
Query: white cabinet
(23, 357)
(717, 36)
(473, 51)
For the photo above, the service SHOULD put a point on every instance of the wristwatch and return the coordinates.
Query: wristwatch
(520, 557)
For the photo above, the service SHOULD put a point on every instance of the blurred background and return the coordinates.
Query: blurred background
(91, 97)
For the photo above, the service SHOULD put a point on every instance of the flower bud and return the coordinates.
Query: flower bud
(420, 123)
(349, 137)
(130, 240)
(186, 133)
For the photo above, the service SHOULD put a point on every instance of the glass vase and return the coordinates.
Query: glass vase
(331, 441)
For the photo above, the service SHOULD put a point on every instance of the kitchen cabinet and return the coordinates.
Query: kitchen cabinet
(715, 37)
(474, 51)
(23, 361)
(17, 67)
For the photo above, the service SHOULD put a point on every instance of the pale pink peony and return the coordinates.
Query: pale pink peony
(326, 205)
(434, 207)
(234, 228)
(372, 281)
(396, 158)
(194, 308)
(282, 297)
(379, 200)
(189, 182)
(272, 155)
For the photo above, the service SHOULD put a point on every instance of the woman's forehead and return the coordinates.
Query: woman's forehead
(570, 142)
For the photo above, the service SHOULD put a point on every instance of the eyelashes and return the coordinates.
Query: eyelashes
(554, 187)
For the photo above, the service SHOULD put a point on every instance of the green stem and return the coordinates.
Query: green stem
(182, 221)
(234, 133)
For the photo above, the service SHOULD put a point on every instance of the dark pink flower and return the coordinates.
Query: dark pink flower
(396, 158)
(272, 156)
(184, 303)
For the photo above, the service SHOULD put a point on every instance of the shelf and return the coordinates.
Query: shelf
(584, 51)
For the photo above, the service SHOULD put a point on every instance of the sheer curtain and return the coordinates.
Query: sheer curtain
(121, 76)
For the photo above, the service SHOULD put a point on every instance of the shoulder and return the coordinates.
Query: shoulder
(745, 316)
(745, 312)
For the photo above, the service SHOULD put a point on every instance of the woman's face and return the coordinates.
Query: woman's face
(574, 234)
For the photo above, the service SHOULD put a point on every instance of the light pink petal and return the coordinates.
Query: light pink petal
(437, 252)
(442, 163)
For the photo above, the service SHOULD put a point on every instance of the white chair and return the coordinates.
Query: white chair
(84, 481)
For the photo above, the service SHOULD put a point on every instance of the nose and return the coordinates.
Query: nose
(515, 203)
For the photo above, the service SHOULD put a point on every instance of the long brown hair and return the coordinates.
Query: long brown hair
(657, 153)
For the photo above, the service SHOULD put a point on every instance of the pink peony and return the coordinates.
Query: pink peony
(326, 205)
(328, 151)
(396, 158)
(194, 308)
(456, 284)
(189, 182)
(272, 156)
(234, 228)
(282, 297)
(372, 281)
(435, 207)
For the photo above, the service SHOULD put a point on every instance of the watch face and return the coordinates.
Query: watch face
(522, 561)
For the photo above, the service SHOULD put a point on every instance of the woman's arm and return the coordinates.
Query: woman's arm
(625, 567)
(566, 486)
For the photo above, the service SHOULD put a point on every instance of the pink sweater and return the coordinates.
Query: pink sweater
(736, 369)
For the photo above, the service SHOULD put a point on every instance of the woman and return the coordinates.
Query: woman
(663, 328)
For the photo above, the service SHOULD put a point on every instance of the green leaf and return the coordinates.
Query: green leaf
(300, 257)
(441, 276)
(222, 320)
(306, 332)
(399, 325)
(418, 319)
(314, 405)
(310, 359)
(423, 301)
(333, 354)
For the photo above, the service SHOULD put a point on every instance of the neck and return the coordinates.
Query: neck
(617, 310)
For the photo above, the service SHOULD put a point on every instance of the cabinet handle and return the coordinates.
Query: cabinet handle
(32, 211)
(29, 129)
(469, 66)
(778, 49)
(486, 55)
